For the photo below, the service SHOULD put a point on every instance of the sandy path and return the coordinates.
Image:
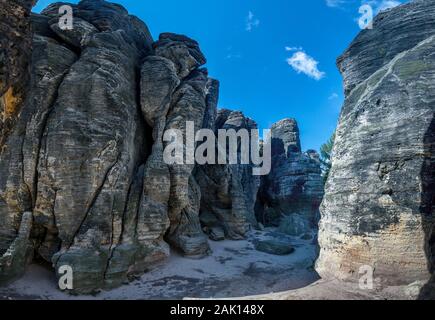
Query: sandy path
(234, 269)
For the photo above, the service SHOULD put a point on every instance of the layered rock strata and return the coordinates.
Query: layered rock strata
(229, 190)
(85, 156)
(378, 210)
(15, 54)
(290, 195)
(83, 117)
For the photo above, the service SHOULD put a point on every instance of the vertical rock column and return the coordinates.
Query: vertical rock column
(291, 194)
(93, 146)
(173, 91)
(229, 191)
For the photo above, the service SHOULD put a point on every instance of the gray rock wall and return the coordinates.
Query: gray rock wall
(85, 157)
(378, 207)
(291, 194)
(15, 54)
(229, 191)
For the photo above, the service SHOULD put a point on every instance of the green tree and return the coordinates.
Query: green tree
(326, 157)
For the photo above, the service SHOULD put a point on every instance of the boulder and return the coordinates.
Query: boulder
(274, 247)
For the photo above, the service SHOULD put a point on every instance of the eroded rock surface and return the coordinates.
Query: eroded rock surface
(173, 93)
(378, 209)
(85, 157)
(290, 195)
(15, 54)
(83, 180)
(229, 190)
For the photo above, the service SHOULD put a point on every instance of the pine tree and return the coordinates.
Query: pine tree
(326, 157)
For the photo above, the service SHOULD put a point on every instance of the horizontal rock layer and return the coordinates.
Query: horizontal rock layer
(290, 195)
(229, 191)
(379, 204)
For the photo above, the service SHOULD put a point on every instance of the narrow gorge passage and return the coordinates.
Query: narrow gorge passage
(91, 173)
(99, 199)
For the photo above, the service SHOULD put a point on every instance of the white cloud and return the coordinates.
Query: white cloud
(251, 22)
(294, 49)
(231, 56)
(303, 63)
(335, 3)
(377, 5)
(381, 5)
(385, 4)
(333, 96)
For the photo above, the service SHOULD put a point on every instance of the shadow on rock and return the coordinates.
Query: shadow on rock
(427, 209)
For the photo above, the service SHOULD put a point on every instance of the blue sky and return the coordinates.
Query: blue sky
(274, 58)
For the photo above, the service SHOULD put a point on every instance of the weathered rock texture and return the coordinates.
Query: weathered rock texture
(379, 204)
(72, 157)
(291, 194)
(82, 177)
(83, 181)
(15, 51)
(173, 83)
(229, 191)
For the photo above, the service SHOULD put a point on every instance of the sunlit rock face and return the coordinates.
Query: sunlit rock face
(378, 210)
(15, 51)
(83, 182)
(291, 194)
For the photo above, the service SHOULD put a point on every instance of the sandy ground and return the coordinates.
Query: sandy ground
(339, 290)
(235, 269)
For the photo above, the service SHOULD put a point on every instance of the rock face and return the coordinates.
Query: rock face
(82, 143)
(183, 100)
(274, 247)
(78, 158)
(290, 195)
(379, 204)
(229, 191)
(15, 51)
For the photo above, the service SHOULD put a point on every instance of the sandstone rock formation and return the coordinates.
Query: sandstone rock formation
(379, 204)
(229, 191)
(83, 182)
(84, 158)
(186, 103)
(15, 51)
(290, 195)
